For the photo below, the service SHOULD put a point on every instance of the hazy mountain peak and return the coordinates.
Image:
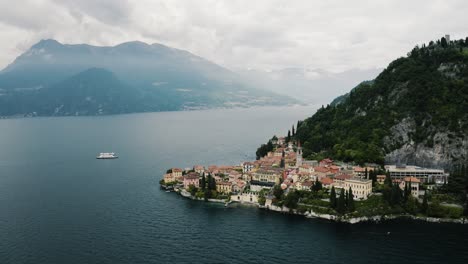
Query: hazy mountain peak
(46, 43)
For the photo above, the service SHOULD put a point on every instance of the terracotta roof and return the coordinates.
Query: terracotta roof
(343, 176)
(321, 169)
(191, 177)
(326, 181)
(412, 179)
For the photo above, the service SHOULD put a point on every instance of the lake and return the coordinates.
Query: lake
(58, 204)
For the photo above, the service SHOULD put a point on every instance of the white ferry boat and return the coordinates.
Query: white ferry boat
(107, 155)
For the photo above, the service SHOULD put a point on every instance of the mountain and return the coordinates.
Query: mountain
(314, 86)
(131, 77)
(415, 111)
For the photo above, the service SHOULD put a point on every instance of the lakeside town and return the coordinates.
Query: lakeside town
(284, 181)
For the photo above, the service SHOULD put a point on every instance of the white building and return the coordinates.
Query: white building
(361, 188)
(423, 174)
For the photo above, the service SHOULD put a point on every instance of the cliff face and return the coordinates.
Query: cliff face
(439, 151)
(414, 112)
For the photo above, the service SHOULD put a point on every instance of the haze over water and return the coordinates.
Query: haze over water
(58, 204)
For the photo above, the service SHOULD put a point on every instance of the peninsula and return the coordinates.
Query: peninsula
(282, 180)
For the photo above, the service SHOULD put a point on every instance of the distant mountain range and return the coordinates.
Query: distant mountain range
(314, 86)
(54, 79)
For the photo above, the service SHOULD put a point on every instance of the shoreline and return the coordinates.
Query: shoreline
(334, 218)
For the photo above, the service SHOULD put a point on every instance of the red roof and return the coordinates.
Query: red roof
(326, 181)
(412, 179)
(343, 176)
(321, 169)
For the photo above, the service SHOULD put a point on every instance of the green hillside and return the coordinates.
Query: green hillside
(418, 106)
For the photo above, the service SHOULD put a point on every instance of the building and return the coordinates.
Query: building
(361, 188)
(423, 174)
(245, 197)
(224, 187)
(299, 155)
(257, 186)
(413, 184)
(326, 182)
(381, 179)
(339, 180)
(199, 169)
(191, 180)
(326, 162)
(270, 176)
(247, 167)
(172, 175)
(312, 163)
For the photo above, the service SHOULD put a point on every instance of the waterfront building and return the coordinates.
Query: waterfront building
(245, 197)
(191, 179)
(224, 187)
(362, 188)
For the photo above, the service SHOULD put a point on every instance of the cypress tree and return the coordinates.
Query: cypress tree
(365, 173)
(350, 200)
(289, 136)
(424, 205)
(293, 131)
(203, 182)
(213, 184)
(407, 192)
(388, 179)
(282, 163)
(346, 199)
(333, 198)
(340, 207)
(443, 42)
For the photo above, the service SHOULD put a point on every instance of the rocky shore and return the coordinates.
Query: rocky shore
(336, 218)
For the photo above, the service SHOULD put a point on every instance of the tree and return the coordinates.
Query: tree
(466, 42)
(317, 185)
(289, 136)
(192, 189)
(443, 42)
(292, 199)
(278, 192)
(340, 207)
(424, 205)
(333, 198)
(350, 200)
(282, 163)
(407, 192)
(203, 182)
(366, 173)
(293, 131)
(388, 179)
(396, 195)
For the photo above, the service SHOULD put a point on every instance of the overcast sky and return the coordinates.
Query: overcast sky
(260, 34)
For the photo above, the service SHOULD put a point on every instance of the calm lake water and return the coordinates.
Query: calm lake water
(58, 204)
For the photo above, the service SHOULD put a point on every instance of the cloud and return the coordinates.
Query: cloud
(263, 34)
